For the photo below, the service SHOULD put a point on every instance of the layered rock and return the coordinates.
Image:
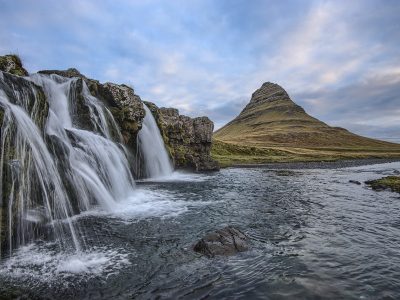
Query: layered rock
(188, 140)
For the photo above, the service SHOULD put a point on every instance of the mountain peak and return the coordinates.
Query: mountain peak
(269, 92)
(271, 118)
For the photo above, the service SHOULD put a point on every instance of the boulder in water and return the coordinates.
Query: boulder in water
(226, 241)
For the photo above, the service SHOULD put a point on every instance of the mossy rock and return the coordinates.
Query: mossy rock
(386, 183)
(12, 64)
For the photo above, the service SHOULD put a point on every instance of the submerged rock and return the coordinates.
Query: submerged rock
(226, 241)
(355, 182)
(188, 140)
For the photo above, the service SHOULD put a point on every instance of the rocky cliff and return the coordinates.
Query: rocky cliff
(188, 140)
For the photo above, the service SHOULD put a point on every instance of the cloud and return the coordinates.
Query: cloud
(368, 107)
(207, 57)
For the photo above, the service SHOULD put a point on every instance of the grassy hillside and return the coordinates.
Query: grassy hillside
(272, 128)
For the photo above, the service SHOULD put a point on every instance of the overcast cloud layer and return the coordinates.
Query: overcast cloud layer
(340, 60)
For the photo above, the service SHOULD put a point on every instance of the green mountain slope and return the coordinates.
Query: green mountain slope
(271, 120)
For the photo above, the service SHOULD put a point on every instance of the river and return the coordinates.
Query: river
(313, 235)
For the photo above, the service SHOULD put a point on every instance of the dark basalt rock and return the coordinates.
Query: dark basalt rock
(355, 182)
(226, 241)
(188, 140)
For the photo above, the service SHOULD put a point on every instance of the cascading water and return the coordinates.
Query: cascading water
(156, 160)
(62, 170)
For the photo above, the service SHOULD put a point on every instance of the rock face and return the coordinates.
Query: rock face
(226, 241)
(13, 65)
(124, 104)
(188, 140)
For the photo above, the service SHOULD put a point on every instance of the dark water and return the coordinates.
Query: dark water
(314, 235)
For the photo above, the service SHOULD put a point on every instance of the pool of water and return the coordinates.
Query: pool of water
(313, 235)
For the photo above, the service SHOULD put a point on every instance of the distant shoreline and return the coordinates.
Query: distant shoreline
(319, 164)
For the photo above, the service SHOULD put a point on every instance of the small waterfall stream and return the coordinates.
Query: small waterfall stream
(156, 159)
(50, 174)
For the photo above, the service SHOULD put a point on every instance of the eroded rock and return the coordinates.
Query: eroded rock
(226, 241)
(188, 140)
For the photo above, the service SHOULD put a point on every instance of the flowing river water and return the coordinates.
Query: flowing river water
(313, 235)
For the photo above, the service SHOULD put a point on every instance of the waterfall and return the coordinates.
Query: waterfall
(156, 160)
(66, 166)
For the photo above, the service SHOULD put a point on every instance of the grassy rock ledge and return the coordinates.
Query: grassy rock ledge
(390, 182)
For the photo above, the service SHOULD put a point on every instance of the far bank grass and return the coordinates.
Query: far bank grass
(229, 154)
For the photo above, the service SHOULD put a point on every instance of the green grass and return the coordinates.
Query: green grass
(229, 154)
(389, 182)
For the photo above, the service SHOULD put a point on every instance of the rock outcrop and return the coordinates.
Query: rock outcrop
(386, 183)
(188, 140)
(12, 64)
(226, 241)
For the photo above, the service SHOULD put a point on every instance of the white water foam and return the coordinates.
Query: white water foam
(177, 176)
(44, 264)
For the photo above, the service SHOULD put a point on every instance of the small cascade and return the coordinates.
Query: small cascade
(156, 160)
(56, 164)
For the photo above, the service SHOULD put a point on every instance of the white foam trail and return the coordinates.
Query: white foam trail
(45, 264)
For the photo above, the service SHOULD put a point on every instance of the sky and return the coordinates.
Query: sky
(339, 59)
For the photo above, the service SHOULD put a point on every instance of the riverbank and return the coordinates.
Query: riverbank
(319, 164)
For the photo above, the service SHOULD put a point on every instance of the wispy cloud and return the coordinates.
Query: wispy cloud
(207, 57)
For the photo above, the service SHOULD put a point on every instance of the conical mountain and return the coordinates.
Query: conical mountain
(271, 118)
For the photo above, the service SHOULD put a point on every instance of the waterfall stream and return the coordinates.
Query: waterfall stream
(65, 168)
(156, 159)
